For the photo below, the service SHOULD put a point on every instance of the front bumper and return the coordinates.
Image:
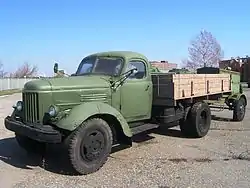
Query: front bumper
(41, 133)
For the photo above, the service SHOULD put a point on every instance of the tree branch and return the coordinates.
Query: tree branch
(25, 70)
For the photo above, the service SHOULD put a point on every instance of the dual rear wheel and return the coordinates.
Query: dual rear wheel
(198, 120)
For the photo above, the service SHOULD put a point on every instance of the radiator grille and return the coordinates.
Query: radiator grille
(31, 113)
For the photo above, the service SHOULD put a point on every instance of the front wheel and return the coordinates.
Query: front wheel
(198, 121)
(90, 145)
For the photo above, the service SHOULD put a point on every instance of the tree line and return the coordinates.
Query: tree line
(25, 70)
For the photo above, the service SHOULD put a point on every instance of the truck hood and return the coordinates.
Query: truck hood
(68, 83)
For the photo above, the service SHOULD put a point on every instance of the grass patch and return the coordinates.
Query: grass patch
(9, 92)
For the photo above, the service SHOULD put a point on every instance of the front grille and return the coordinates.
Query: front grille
(31, 112)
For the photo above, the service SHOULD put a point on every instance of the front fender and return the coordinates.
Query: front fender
(83, 111)
(237, 97)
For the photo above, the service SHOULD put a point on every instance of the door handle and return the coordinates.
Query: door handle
(147, 88)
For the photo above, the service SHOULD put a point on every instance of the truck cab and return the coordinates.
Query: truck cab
(109, 91)
(130, 93)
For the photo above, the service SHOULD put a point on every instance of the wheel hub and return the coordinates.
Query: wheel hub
(242, 109)
(92, 146)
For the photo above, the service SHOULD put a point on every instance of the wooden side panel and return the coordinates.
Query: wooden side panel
(194, 85)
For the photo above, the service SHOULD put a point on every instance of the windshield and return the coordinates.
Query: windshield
(100, 65)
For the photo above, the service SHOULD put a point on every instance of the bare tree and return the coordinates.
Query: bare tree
(189, 65)
(26, 70)
(204, 51)
(2, 72)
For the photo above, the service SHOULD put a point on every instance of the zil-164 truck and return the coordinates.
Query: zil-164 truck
(113, 96)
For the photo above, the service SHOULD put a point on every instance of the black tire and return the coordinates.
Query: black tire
(198, 121)
(31, 146)
(83, 151)
(239, 110)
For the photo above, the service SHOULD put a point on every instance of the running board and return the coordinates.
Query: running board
(143, 128)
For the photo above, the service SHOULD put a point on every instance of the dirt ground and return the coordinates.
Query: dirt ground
(158, 159)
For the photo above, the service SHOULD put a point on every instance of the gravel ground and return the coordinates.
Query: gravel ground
(161, 158)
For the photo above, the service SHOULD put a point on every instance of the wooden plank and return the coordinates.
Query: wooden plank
(193, 85)
(170, 87)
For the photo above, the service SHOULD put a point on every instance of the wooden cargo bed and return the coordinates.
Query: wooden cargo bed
(171, 87)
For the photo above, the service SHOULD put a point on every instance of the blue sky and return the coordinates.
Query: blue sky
(40, 32)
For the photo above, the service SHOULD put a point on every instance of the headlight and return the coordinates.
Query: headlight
(19, 105)
(53, 111)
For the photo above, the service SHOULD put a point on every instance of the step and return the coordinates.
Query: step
(143, 128)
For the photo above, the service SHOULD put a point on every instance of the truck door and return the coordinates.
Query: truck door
(136, 93)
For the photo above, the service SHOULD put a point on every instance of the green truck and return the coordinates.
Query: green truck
(111, 97)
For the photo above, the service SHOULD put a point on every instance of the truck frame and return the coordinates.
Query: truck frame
(111, 97)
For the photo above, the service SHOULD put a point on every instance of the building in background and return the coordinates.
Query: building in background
(163, 66)
(239, 64)
(234, 63)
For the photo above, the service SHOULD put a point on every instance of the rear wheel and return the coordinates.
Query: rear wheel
(31, 146)
(197, 123)
(89, 146)
(239, 109)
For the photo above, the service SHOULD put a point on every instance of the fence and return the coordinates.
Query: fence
(13, 83)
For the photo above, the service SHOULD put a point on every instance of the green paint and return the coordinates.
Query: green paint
(235, 80)
(82, 112)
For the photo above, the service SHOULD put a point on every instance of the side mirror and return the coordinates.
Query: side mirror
(56, 68)
(134, 70)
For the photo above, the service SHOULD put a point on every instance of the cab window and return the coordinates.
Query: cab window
(141, 69)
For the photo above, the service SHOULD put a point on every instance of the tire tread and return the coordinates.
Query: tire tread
(72, 142)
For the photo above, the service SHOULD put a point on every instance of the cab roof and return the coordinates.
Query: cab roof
(124, 54)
